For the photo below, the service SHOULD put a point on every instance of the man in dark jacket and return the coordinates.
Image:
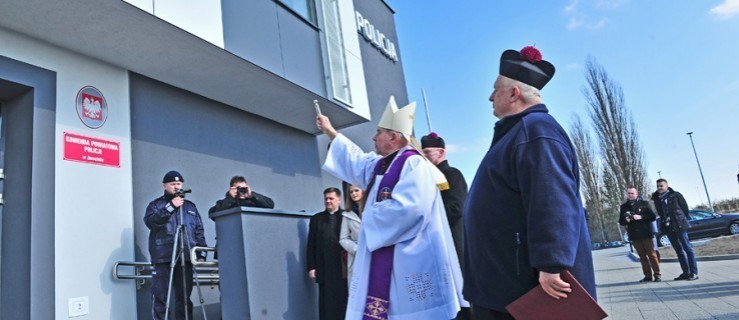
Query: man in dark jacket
(637, 217)
(240, 194)
(324, 256)
(523, 220)
(674, 215)
(434, 149)
(162, 218)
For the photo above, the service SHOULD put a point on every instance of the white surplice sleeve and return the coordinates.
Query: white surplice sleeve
(346, 161)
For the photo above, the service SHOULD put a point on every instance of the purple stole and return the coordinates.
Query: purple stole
(381, 264)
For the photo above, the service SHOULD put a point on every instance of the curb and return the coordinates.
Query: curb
(635, 258)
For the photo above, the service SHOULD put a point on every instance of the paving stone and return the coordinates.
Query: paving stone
(714, 296)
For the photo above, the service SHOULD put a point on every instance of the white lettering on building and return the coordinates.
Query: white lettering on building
(76, 140)
(377, 38)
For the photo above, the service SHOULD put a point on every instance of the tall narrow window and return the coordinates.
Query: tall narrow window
(335, 47)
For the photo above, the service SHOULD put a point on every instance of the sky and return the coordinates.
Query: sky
(676, 63)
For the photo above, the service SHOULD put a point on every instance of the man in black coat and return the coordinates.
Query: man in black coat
(325, 263)
(434, 149)
(637, 217)
(674, 216)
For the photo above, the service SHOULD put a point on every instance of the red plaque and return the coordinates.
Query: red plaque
(91, 150)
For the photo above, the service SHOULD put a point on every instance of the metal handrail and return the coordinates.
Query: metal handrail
(207, 271)
(194, 255)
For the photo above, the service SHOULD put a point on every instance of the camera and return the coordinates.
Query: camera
(241, 190)
(181, 192)
(629, 215)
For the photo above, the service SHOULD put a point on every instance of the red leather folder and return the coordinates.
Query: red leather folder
(538, 305)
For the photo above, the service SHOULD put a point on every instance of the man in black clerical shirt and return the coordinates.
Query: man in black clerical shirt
(325, 263)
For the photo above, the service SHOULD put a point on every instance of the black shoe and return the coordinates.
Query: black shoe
(692, 277)
(657, 279)
(683, 277)
(646, 279)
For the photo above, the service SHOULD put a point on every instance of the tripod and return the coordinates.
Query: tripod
(182, 241)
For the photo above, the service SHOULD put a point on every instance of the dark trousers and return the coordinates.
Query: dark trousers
(464, 314)
(160, 285)
(684, 251)
(647, 257)
(480, 313)
(332, 299)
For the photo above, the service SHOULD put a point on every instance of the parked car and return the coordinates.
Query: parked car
(704, 224)
(611, 244)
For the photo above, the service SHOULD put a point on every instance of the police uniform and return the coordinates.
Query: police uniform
(162, 219)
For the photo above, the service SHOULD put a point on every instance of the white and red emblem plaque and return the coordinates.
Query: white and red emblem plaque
(92, 109)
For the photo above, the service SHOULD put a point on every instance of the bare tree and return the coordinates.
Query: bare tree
(618, 139)
(590, 177)
(613, 195)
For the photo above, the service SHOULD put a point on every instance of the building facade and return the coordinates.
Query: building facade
(98, 99)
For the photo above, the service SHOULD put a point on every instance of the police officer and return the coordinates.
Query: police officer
(162, 217)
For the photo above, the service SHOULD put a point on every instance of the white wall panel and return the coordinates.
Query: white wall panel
(93, 203)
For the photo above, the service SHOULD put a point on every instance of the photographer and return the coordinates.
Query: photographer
(674, 215)
(637, 216)
(162, 217)
(241, 195)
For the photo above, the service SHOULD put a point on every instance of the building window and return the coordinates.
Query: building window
(336, 53)
(303, 8)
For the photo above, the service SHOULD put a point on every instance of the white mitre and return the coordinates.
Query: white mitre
(401, 120)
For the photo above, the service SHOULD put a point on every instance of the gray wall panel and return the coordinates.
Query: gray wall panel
(384, 77)
(273, 38)
(301, 52)
(251, 31)
(209, 142)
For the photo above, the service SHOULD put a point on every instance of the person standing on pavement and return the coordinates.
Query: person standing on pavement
(350, 224)
(406, 266)
(240, 194)
(434, 148)
(636, 215)
(674, 215)
(162, 218)
(524, 222)
(325, 263)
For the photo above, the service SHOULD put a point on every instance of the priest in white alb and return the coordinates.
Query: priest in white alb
(406, 265)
